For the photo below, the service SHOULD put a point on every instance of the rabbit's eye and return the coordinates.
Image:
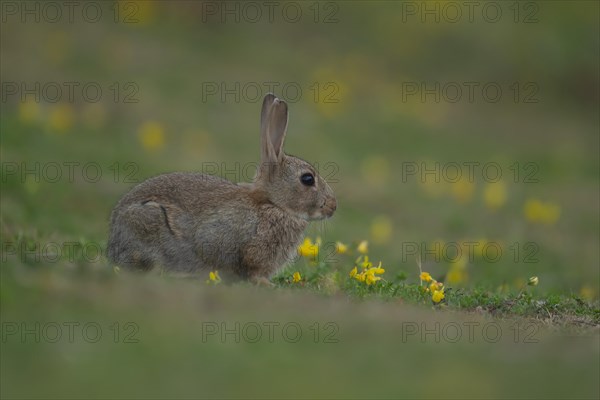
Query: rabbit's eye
(307, 179)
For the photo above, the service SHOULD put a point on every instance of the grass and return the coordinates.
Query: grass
(563, 312)
(392, 339)
(165, 337)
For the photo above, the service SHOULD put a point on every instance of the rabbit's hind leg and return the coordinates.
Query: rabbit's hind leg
(138, 234)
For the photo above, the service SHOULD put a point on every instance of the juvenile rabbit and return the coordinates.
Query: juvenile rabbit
(186, 222)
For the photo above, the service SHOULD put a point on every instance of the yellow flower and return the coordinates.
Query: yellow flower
(361, 277)
(587, 292)
(437, 296)
(309, 249)
(381, 229)
(341, 248)
(458, 271)
(363, 247)
(213, 277)
(366, 263)
(331, 105)
(377, 270)
(425, 276)
(494, 195)
(456, 276)
(533, 281)
(29, 111)
(62, 118)
(538, 211)
(436, 286)
(145, 11)
(151, 135)
(368, 273)
(371, 278)
(297, 277)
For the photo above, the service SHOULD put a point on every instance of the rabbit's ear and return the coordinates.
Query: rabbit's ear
(274, 120)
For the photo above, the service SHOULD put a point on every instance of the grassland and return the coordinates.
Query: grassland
(66, 163)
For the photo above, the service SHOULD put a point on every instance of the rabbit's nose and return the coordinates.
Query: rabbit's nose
(330, 204)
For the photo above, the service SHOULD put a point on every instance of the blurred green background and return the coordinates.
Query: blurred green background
(179, 84)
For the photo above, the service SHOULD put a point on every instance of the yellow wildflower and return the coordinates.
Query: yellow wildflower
(297, 277)
(363, 247)
(378, 270)
(29, 111)
(370, 278)
(213, 277)
(436, 286)
(381, 229)
(425, 276)
(533, 281)
(341, 248)
(360, 277)
(494, 195)
(537, 211)
(587, 292)
(151, 135)
(145, 11)
(437, 296)
(62, 118)
(457, 273)
(309, 249)
(366, 263)
(368, 273)
(456, 276)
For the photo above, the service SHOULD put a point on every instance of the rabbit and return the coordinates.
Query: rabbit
(190, 222)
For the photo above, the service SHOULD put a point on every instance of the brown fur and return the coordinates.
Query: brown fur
(187, 222)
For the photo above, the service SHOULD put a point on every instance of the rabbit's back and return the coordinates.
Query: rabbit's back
(188, 190)
(182, 221)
